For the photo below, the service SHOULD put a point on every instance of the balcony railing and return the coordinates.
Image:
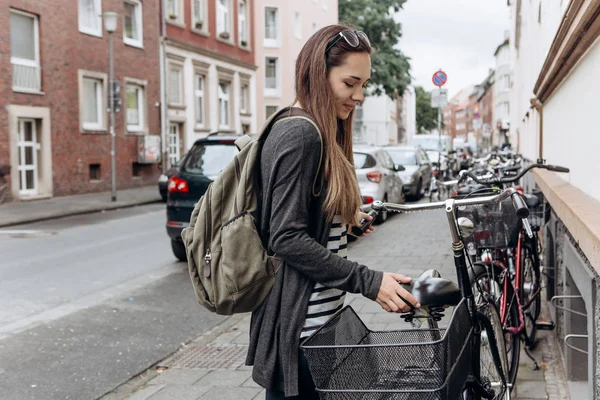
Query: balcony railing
(26, 76)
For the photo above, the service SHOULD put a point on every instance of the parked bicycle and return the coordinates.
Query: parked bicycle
(466, 360)
(507, 259)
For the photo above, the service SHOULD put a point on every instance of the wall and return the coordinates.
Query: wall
(571, 112)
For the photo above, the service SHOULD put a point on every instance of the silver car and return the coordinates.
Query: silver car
(417, 169)
(377, 177)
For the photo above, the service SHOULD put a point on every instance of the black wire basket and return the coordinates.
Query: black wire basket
(496, 224)
(350, 362)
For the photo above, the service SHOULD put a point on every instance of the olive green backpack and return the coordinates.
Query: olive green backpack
(231, 271)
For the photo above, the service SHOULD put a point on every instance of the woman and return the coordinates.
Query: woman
(306, 224)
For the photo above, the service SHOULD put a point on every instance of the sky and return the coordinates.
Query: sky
(458, 36)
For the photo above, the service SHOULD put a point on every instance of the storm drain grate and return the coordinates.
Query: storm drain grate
(210, 357)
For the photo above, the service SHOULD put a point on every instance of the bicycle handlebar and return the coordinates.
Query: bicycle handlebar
(555, 168)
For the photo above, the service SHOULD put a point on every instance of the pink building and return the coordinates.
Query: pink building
(281, 29)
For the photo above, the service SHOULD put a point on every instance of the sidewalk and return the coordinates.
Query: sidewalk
(20, 212)
(212, 366)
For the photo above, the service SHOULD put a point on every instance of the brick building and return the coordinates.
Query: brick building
(210, 70)
(54, 128)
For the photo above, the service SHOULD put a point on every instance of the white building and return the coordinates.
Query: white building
(555, 54)
(408, 114)
(502, 83)
(375, 121)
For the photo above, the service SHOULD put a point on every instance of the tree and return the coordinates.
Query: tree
(427, 116)
(390, 72)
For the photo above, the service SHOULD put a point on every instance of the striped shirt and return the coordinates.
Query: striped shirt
(324, 302)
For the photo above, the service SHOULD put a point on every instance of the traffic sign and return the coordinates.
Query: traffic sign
(439, 98)
(477, 115)
(439, 78)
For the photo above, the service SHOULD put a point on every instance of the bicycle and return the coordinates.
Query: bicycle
(509, 266)
(467, 360)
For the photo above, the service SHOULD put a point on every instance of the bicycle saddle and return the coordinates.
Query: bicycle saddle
(531, 200)
(431, 290)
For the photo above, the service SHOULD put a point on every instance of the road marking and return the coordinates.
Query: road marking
(25, 234)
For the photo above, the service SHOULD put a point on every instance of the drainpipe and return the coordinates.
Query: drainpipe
(162, 51)
(535, 103)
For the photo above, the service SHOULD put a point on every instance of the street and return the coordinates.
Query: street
(89, 302)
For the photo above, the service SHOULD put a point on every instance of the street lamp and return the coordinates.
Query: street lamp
(110, 24)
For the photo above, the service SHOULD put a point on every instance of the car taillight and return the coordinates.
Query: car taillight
(367, 199)
(374, 177)
(178, 185)
(434, 173)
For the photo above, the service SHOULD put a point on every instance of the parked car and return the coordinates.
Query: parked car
(201, 165)
(377, 177)
(417, 169)
(163, 179)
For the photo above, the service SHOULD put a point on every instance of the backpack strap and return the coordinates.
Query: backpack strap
(296, 112)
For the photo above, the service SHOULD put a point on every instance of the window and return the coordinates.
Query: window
(94, 172)
(134, 105)
(90, 21)
(200, 81)
(243, 20)
(271, 76)
(93, 104)
(199, 10)
(270, 110)
(132, 23)
(298, 25)
(271, 27)
(223, 19)
(175, 85)
(224, 104)
(245, 99)
(174, 11)
(25, 53)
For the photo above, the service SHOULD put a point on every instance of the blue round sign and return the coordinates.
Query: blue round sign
(439, 78)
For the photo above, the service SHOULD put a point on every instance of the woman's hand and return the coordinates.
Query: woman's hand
(361, 216)
(391, 290)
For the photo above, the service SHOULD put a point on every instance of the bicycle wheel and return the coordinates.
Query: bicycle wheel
(530, 290)
(490, 277)
(493, 352)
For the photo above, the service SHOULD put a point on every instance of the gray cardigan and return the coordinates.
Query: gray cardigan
(296, 226)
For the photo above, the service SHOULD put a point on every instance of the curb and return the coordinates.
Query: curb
(70, 213)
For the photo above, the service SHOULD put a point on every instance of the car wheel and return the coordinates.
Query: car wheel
(178, 250)
(381, 218)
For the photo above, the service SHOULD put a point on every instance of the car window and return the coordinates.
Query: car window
(389, 161)
(209, 159)
(403, 157)
(424, 158)
(362, 161)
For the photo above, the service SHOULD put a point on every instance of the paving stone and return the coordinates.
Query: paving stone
(179, 376)
(144, 393)
(531, 390)
(222, 393)
(224, 378)
(180, 392)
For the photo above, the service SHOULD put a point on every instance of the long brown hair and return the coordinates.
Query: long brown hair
(314, 94)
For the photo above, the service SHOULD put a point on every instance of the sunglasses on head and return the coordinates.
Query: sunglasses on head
(351, 37)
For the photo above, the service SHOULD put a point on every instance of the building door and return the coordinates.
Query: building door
(28, 147)
(174, 143)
